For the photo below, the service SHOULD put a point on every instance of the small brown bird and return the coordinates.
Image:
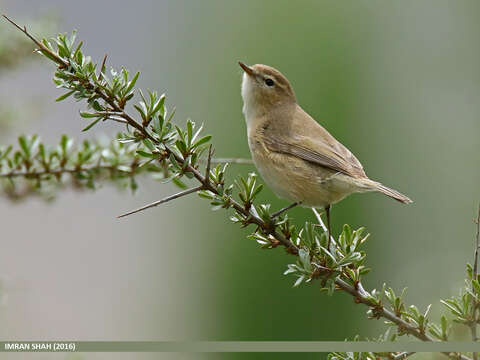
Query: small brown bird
(295, 155)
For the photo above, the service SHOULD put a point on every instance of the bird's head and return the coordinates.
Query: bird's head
(264, 88)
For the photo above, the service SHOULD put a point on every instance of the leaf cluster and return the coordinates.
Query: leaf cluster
(464, 307)
(36, 168)
(315, 261)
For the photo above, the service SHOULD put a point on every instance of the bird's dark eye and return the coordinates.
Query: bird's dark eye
(269, 82)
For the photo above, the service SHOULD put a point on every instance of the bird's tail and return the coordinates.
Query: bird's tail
(394, 194)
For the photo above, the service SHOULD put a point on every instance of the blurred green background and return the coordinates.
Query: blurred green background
(397, 82)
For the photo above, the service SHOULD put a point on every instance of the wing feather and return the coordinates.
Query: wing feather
(315, 144)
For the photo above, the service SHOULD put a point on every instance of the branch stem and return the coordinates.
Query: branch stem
(35, 174)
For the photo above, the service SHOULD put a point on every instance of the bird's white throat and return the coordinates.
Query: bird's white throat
(249, 104)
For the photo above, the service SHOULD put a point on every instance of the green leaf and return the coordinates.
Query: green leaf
(48, 55)
(96, 106)
(199, 130)
(47, 44)
(64, 96)
(77, 50)
(92, 124)
(149, 144)
(132, 83)
(133, 184)
(180, 133)
(143, 114)
(202, 141)
(435, 331)
(299, 280)
(304, 257)
(181, 146)
(189, 131)
(141, 95)
(179, 183)
(453, 306)
(171, 115)
(257, 191)
(329, 254)
(146, 154)
(22, 141)
(443, 323)
(158, 105)
(476, 286)
(87, 115)
(206, 194)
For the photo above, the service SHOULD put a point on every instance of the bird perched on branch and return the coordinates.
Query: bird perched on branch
(295, 155)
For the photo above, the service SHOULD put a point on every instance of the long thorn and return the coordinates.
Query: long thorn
(22, 29)
(162, 201)
(281, 211)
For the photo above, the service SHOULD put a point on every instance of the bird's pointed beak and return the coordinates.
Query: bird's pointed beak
(247, 69)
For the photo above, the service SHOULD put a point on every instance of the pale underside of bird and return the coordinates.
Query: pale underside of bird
(299, 159)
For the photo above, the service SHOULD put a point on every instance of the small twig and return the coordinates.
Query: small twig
(209, 162)
(102, 68)
(42, 48)
(162, 201)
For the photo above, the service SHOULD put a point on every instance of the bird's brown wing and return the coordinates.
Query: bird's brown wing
(311, 142)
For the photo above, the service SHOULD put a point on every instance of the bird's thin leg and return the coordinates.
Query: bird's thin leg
(281, 211)
(327, 211)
